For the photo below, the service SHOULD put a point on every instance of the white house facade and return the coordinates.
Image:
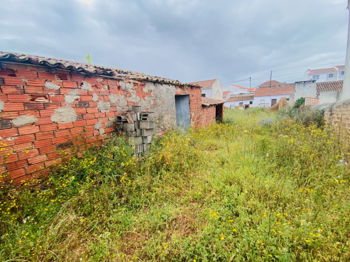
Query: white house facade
(240, 101)
(268, 96)
(211, 88)
(305, 89)
(326, 74)
(268, 101)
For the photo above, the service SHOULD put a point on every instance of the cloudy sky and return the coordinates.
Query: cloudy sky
(186, 40)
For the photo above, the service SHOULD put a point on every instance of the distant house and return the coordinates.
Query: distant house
(244, 101)
(328, 92)
(269, 93)
(211, 88)
(240, 90)
(306, 89)
(318, 93)
(227, 94)
(326, 74)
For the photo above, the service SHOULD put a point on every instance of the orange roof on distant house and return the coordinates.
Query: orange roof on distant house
(286, 89)
(325, 70)
(226, 93)
(271, 83)
(321, 70)
(205, 84)
(239, 86)
(249, 89)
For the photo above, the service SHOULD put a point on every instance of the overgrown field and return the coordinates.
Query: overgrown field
(245, 190)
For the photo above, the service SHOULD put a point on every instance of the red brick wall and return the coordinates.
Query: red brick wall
(37, 94)
(195, 96)
(208, 115)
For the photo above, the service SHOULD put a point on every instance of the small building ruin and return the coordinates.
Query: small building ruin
(48, 104)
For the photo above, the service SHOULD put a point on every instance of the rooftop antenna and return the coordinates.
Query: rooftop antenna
(271, 76)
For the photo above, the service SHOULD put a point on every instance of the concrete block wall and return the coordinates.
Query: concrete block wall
(43, 111)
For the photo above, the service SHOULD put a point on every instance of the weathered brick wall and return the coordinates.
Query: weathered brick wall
(208, 115)
(195, 96)
(339, 116)
(44, 111)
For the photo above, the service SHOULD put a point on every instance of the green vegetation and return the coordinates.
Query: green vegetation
(300, 102)
(304, 115)
(243, 190)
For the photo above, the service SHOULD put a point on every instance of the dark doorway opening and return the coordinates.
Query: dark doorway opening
(273, 101)
(219, 112)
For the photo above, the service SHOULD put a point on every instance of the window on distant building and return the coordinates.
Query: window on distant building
(240, 103)
(273, 101)
(342, 73)
(203, 95)
(250, 102)
(315, 77)
(330, 75)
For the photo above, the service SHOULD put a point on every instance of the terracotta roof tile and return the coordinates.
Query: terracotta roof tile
(329, 86)
(273, 83)
(85, 69)
(206, 101)
(286, 89)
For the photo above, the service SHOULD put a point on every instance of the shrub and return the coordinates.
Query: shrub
(300, 102)
(304, 115)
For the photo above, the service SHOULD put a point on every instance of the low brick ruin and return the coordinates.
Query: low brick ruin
(47, 105)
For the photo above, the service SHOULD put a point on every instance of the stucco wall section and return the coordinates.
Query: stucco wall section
(160, 101)
(64, 115)
(305, 89)
(328, 97)
(24, 120)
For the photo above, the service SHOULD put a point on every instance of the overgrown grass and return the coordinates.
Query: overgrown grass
(239, 191)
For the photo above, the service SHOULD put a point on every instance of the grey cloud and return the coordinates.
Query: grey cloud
(185, 40)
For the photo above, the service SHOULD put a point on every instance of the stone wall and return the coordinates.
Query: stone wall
(338, 116)
(43, 111)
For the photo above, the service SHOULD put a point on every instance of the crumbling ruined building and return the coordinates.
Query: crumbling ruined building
(46, 103)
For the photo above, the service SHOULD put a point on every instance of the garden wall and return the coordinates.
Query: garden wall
(338, 115)
(45, 110)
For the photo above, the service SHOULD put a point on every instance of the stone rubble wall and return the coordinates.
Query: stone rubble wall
(338, 116)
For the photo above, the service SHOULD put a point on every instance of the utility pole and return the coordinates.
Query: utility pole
(345, 94)
(271, 73)
(250, 79)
